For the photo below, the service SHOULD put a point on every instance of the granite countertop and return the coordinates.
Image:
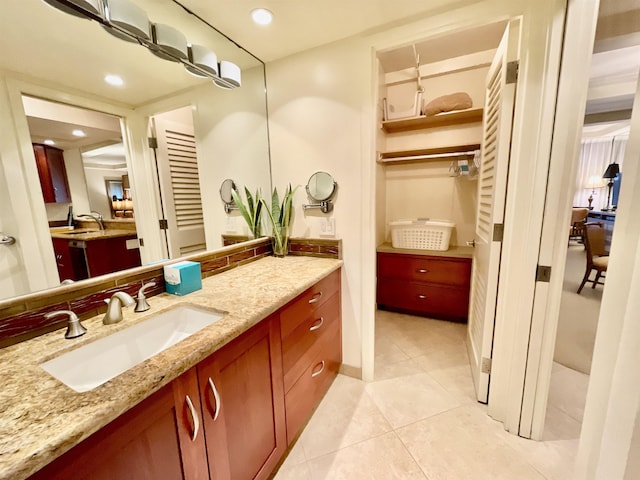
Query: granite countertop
(41, 418)
(90, 234)
(455, 251)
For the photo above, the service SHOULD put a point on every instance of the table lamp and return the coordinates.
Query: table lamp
(610, 173)
(594, 182)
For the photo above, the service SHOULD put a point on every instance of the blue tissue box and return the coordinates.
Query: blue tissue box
(182, 278)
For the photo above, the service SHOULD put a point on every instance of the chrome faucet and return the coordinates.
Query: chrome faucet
(114, 307)
(141, 301)
(96, 216)
(75, 328)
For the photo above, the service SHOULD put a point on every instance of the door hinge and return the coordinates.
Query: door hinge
(498, 232)
(485, 365)
(512, 71)
(153, 142)
(543, 274)
(164, 224)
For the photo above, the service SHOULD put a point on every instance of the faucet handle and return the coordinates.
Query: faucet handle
(141, 301)
(75, 328)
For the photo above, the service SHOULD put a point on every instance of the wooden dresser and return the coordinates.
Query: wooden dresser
(430, 285)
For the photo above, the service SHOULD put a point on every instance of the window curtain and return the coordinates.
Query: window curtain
(595, 155)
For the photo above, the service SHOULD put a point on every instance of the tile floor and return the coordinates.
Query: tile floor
(419, 419)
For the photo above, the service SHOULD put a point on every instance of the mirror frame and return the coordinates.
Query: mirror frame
(333, 188)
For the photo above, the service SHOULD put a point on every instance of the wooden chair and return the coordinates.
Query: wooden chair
(578, 219)
(597, 256)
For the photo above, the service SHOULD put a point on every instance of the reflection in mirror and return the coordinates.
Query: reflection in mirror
(65, 59)
(321, 187)
(226, 188)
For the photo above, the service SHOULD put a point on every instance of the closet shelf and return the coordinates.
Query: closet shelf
(428, 154)
(441, 120)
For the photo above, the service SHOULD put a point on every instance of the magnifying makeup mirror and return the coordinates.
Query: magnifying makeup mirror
(321, 188)
(225, 194)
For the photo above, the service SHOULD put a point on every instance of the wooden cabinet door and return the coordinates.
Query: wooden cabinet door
(109, 255)
(153, 441)
(63, 259)
(52, 174)
(243, 404)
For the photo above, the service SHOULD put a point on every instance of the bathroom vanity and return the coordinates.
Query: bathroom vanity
(224, 403)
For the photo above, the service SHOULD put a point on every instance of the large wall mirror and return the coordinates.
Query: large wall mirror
(203, 132)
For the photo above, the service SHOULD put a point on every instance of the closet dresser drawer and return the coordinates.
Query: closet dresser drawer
(310, 327)
(433, 286)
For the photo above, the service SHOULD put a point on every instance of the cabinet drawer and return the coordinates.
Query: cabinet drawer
(433, 300)
(307, 392)
(302, 345)
(305, 304)
(447, 271)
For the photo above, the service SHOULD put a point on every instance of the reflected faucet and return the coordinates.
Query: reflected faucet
(114, 308)
(95, 216)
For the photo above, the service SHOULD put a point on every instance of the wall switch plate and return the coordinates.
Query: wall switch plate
(328, 227)
(230, 227)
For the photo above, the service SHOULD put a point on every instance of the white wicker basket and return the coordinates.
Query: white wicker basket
(421, 234)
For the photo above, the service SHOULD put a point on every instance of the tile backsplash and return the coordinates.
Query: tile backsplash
(22, 317)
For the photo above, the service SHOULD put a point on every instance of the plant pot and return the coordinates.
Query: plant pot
(280, 246)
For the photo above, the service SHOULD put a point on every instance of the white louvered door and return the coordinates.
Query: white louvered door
(492, 189)
(180, 186)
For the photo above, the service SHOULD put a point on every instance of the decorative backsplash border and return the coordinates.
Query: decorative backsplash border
(22, 318)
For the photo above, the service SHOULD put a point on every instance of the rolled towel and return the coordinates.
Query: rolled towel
(447, 103)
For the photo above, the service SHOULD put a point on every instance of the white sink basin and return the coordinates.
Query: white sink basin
(93, 364)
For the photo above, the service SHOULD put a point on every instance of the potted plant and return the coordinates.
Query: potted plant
(250, 212)
(280, 217)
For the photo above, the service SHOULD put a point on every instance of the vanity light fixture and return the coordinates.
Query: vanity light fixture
(78, 133)
(114, 80)
(168, 43)
(49, 142)
(125, 20)
(92, 6)
(262, 16)
(204, 59)
(230, 73)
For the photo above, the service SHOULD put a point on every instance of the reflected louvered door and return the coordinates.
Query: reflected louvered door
(180, 185)
(492, 189)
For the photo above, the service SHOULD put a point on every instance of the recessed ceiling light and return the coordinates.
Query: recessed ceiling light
(49, 142)
(262, 16)
(78, 133)
(114, 80)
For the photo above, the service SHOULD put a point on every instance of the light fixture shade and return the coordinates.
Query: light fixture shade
(594, 182)
(612, 170)
(203, 58)
(168, 40)
(231, 73)
(129, 17)
(92, 6)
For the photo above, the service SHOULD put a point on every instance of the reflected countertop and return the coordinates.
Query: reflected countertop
(41, 418)
(454, 251)
(87, 234)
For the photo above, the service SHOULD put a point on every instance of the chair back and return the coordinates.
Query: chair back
(578, 215)
(594, 240)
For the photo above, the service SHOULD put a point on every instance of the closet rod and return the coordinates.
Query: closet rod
(429, 156)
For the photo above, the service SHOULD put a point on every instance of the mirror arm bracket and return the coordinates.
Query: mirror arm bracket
(325, 206)
(229, 207)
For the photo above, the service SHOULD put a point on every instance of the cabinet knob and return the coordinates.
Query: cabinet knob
(216, 396)
(317, 324)
(194, 418)
(315, 374)
(316, 297)
(422, 297)
(423, 270)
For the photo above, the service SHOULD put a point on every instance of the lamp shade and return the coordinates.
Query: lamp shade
(202, 58)
(169, 43)
(612, 170)
(229, 72)
(129, 17)
(92, 6)
(594, 181)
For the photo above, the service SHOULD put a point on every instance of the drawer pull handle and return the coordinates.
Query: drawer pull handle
(316, 325)
(216, 396)
(422, 297)
(423, 270)
(194, 418)
(315, 374)
(316, 297)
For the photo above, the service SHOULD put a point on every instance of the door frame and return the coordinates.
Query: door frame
(542, 34)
